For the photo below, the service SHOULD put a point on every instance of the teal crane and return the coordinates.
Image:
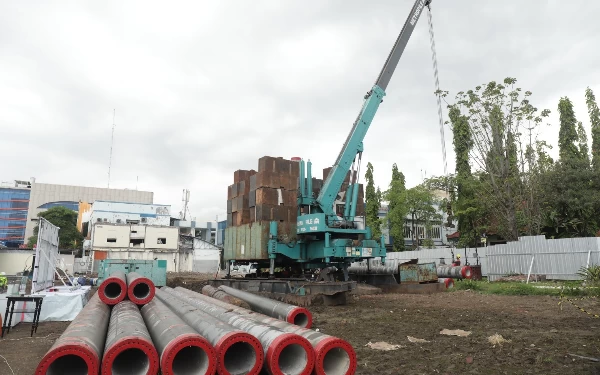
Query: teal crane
(325, 238)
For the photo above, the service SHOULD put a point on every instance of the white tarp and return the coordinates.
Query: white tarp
(46, 255)
(61, 306)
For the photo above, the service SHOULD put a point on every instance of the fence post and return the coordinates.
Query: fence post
(530, 268)
(587, 265)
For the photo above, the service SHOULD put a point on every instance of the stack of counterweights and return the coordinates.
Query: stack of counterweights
(270, 194)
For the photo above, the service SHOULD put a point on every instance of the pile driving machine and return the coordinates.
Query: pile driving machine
(324, 238)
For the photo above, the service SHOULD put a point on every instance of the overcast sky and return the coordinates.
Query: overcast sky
(202, 88)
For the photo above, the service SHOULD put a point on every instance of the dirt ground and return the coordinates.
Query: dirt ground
(541, 335)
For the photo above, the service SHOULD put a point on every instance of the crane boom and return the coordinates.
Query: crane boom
(353, 144)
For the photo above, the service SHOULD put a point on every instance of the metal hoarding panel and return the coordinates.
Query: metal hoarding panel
(46, 256)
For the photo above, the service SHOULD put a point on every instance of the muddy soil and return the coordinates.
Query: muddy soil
(22, 352)
(541, 335)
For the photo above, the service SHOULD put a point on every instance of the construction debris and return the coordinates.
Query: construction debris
(382, 345)
(497, 339)
(416, 340)
(455, 332)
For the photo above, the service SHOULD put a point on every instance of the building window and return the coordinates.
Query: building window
(161, 241)
(67, 204)
(14, 204)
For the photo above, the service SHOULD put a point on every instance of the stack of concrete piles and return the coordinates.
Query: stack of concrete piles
(270, 194)
(178, 331)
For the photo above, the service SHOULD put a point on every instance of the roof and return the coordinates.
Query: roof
(453, 235)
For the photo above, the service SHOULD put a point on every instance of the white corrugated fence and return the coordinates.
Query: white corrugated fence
(558, 259)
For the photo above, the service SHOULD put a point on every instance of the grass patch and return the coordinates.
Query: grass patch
(515, 288)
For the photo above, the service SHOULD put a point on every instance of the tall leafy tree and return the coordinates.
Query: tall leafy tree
(465, 207)
(373, 204)
(488, 123)
(594, 114)
(567, 135)
(396, 208)
(64, 218)
(570, 193)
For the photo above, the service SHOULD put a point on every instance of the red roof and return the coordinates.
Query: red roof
(453, 235)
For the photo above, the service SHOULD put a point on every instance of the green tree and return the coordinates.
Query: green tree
(373, 204)
(396, 208)
(464, 206)
(488, 123)
(594, 113)
(570, 192)
(421, 204)
(567, 135)
(66, 220)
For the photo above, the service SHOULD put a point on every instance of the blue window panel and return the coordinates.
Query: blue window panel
(67, 204)
(14, 204)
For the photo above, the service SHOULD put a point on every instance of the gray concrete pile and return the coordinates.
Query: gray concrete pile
(178, 331)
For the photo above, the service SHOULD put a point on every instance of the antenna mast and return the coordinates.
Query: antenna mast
(186, 199)
(112, 137)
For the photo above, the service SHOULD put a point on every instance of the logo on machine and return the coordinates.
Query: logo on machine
(415, 16)
(314, 221)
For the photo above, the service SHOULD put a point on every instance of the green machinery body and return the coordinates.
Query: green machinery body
(155, 270)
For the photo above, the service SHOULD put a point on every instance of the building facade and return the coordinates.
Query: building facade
(45, 196)
(14, 205)
(105, 212)
(142, 242)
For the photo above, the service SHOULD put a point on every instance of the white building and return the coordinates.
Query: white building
(143, 242)
(128, 213)
(206, 256)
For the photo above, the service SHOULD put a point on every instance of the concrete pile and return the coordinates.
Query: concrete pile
(183, 332)
(299, 316)
(109, 335)
(454, 272)
(133, 286)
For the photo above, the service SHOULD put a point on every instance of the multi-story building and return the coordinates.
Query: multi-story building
(14, 205)
(21, 201)
(45, 196)
(134, 241)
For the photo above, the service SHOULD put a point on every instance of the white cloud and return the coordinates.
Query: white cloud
(204, 88)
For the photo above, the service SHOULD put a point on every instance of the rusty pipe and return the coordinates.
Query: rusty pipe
(454, 272)
(129, 348)
(79, 349)
(182, 351)
(140, 289)
(236, 351)
(299, 316)
(285, 353)
(334, 356)
(114, 288)
(211, 291)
